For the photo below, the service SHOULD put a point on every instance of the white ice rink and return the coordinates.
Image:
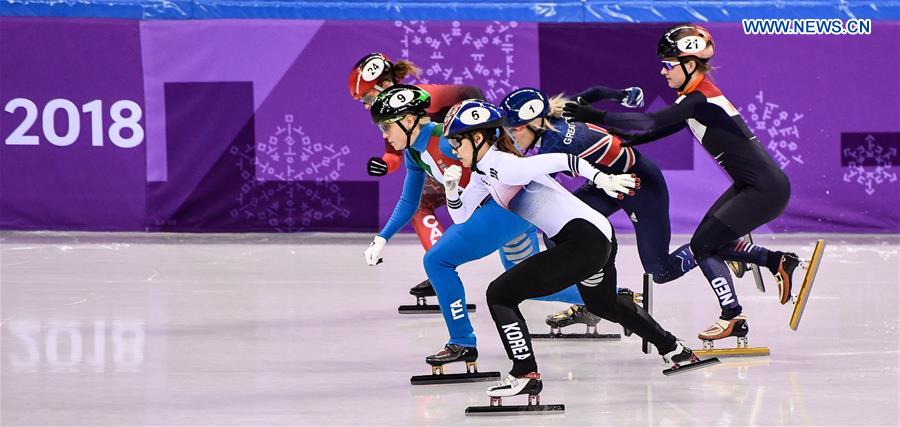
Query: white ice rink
(153, 329)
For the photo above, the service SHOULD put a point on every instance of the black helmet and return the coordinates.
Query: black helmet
(399, 100)
(686, 40)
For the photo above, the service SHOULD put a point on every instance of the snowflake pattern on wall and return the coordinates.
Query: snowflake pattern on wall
(776, 129)
(449, 53)
(870, 176)
(289, 179)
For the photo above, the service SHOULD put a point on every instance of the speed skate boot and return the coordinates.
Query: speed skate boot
(721, 329)
(452, 353)
(421, 291)
(570, 316)
(784, 274)
(529, 384)
(682, 359)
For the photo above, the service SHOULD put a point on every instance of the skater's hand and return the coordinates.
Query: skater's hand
(634, 97)
(452, 175)
(578, 112)
(377, 167)
(373, 252)
(617, 186)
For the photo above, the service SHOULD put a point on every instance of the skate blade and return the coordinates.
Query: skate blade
(454, 378)
(732, 352)
(701, 364)
(556, 408)
(806, 288)
(562, 336)
(757, 278)
(427, 309)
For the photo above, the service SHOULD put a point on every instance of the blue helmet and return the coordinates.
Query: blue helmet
(524, 105)
(470, 115)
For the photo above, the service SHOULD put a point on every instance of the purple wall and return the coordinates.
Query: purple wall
(248, 126)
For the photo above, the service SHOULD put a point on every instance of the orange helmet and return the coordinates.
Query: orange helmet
(368, 72)
(686, 40)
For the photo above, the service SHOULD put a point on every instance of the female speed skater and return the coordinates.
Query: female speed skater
(400, 112)
(760, 190)
(585, 245)
(535, 121)
(374, 73)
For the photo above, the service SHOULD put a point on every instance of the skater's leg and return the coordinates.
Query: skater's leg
(710, 235)
(519, 248)
(604, 301)
(489, 227)
(600, 202)
(425, 223)
(744, 251)
(581, 248)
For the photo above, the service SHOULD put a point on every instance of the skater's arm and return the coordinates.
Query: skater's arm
(600, 93)
(393, 160)
(523, 170)
(461, 208)
(389, 162)
(664, 118)
(630, 140)
(409, 200)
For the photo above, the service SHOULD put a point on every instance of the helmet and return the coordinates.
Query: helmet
(686, 40)
(470, 115)
(368, 72)
(524, 105)
(398, 101)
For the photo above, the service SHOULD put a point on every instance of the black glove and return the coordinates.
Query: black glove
(377, 167)
(583, 113)
(598, 93)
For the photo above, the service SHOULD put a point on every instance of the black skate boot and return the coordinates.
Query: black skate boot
(682, 359)
(529, 384)
(452, 353)
(784, 275)
(570, 316)
(421, 291)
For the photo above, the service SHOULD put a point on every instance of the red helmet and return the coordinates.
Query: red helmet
(368, 72)
(686, 40)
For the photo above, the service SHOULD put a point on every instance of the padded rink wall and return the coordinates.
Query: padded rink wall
(234, 116)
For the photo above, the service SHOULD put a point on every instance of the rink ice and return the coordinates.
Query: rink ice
(264, 329)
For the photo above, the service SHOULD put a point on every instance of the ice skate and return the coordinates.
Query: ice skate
(529, 384)
(453, 353)
(784, 275)
(757, 276)
(811, 267)
(570, 316)
(682, 359)
(421, 291)
(722, 329)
